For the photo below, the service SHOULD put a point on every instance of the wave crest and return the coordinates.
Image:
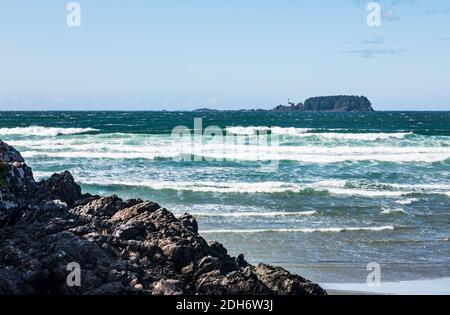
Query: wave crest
(393, 211)
(256, 214)
(320, 133)
(301, 230)
(334, 187)
(43, 131)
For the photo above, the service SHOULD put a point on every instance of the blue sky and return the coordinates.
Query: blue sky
(180, 54)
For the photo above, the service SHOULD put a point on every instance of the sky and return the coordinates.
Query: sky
(225, 54)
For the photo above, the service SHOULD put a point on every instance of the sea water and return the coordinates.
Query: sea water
(349, 188)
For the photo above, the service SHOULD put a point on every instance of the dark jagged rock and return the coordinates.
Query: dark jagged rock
(189, 222)
(61, 187)
(9, 155)
(121, 247)
(280, 280)
(17, 184)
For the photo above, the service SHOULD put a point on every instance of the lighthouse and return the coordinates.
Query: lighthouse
(289, 104)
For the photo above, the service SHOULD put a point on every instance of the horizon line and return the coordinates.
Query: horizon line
(206, 109)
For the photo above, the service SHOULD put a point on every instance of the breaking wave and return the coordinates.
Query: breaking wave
(393, 211)
(407, 201)
(305, 154)
(43, 131)
(320, 133)
(301, 230)
(255, 214)
(334, 187)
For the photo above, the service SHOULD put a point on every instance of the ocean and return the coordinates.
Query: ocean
(348, 189)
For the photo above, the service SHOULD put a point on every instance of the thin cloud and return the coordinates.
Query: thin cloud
(438, 11)
(396, 2)
(369, 53)
(389, 15)
(374, 41)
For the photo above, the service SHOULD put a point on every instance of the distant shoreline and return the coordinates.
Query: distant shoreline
(217, 111)
(339, 103)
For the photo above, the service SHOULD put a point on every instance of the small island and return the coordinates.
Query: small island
(339, 103)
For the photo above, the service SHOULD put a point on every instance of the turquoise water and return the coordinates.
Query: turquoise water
(348, 189)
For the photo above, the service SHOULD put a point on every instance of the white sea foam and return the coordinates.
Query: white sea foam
(43, 131)
(367, 193)
(407, 201)
(339, 187)
(255, 214)
(201, 186)
(361, 136)
(335, 187)
(392, 211)
(435, 187)
(94, 155)
(252, 130)
(325, 134)
(300, 230)
(138, 146)
(305, 154)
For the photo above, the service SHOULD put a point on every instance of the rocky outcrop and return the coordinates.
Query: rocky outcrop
(16, 184)
(52, 235)
(288, 108)
(281, 281)
(61, 187)
(339, 103)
